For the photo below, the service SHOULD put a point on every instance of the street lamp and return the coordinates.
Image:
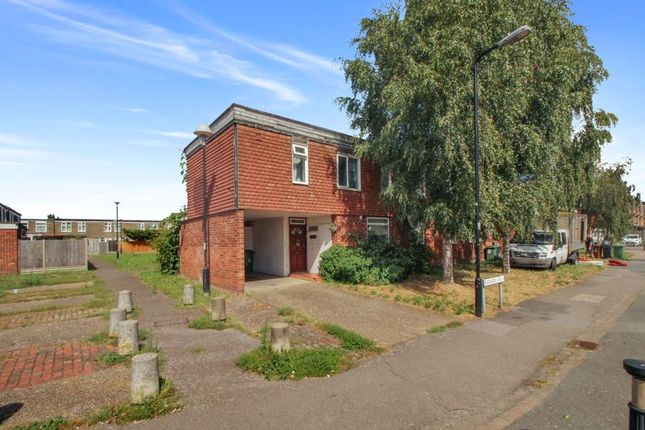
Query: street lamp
(203, 132)
(511, 38)
(116, 228)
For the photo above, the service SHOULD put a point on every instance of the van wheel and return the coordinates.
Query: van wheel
(554, 264)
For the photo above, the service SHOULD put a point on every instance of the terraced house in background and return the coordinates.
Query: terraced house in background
(281, 188)
(102, 229)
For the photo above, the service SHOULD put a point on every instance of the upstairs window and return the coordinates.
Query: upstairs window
(142, 226)
(66, 227)
(348, 172)
(41, 226)
(81, 226)
(378, 227)
(107, 227)
(300, 164)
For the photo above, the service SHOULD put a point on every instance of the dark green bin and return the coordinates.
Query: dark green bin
(249, 257)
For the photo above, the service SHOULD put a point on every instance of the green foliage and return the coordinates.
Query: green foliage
(285, 311)
(444, 328)
(10, 282)
(110, 358)
(412, 102)
(167, 242)
(610, 201)
(350, 340)
(102, 338)
(167, 401)
(48, 424)
(204, 322)
(293, 364)
(373, 262)
(140, 235)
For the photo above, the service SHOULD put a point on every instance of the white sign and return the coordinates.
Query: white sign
(493, 281)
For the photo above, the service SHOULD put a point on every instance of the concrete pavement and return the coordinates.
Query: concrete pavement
(459, 379)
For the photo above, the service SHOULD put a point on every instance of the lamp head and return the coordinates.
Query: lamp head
(517, 35)
(203, 130)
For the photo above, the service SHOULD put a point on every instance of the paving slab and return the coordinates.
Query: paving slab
(47, 288)
(386, 322)
(7, 308)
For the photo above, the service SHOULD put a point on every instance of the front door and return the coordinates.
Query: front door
(298, 244)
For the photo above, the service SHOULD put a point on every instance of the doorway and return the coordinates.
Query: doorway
(298, 244)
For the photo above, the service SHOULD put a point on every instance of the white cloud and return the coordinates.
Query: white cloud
(142, 42)
(14, 140)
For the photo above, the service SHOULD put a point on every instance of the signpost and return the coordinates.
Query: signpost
(492, 281)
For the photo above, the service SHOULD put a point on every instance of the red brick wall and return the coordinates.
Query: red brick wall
(461, 251)
(353, 225)
(219, 176)
(226, 240)
(265, 177)
(9, 252)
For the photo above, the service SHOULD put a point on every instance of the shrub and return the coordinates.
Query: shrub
(373, 262)
(167, 242)
(140, 235)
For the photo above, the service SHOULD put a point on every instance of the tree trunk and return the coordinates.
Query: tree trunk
(506, 259)
(448, 268)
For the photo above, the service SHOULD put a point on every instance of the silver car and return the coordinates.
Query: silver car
(632, 240)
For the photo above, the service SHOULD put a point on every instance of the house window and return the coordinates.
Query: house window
(142, 226)
(348, 172)
(41, 226)
(378, 227)
(107, 227)
(300, 164)
(66, 227)
(81, 226)
(152, 227)
(386, 179)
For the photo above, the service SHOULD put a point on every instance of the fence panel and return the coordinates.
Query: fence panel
(49, 255)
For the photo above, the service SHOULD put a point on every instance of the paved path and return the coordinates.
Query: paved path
(595, 394)
(459, 379)
(386, 322)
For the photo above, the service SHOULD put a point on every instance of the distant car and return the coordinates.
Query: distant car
(633, 240)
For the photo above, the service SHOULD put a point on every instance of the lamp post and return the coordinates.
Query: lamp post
(203, 132)
(517, 35)
(116, 228)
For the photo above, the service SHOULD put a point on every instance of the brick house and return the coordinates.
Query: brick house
(102, 229)
(282, 188)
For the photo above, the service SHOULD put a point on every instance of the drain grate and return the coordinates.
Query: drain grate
(588, 345)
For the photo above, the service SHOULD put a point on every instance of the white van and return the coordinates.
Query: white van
(545, 250)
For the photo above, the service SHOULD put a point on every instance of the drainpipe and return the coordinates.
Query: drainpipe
(235, 168)
(203, 132)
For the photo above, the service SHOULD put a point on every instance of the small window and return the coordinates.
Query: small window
(41, 226)
(300, 164)
(297, 221)
(349, 172)
(378, 227)
(66, 227)
(142, 226)
(152, 227)
(81, 226)
(107, 227)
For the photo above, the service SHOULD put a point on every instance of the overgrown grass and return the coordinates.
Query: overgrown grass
(146, 268)
(294, 364)
(10, 282)
(110, 358)
(57, 423)
(445, 328)
(285, 311)
(204, 322)
(350, 340)
(102, 338)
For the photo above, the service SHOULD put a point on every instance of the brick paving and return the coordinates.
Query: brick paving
(25, 319)
(37, 365)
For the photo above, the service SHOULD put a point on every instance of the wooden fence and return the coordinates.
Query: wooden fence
(50, 255)
(96, 246)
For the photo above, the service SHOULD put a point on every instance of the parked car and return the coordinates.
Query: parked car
(545, 250)
(633, 240)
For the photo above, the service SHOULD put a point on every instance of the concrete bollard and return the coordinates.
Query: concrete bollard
(189, 294)
(145, 377)
(125, 300)
(280, 337)
(128, 337)
(636, 368)
(218, 309)
(116, 316)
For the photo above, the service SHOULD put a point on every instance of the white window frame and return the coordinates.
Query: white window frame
(107, 227)
(306, 156)
(40, 225)
(81, 226)
(378, 221)
(358, 171)
(65, 226)
(142, 226)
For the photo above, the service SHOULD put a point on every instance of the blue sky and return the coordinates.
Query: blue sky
(98, 98)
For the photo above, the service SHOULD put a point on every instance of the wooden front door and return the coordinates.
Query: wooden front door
(298, 244)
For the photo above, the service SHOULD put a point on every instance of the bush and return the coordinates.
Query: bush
(373, 262)
(140, 235)
(167, 242)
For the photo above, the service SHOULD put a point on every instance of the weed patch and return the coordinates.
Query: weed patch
(110, 359)
(350, 340)
(205, 323)
(444, 328)
(48, 424)
(102, 338)
(285, 311)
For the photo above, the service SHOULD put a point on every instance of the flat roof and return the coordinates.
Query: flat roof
(91, 219)
(239, 114)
